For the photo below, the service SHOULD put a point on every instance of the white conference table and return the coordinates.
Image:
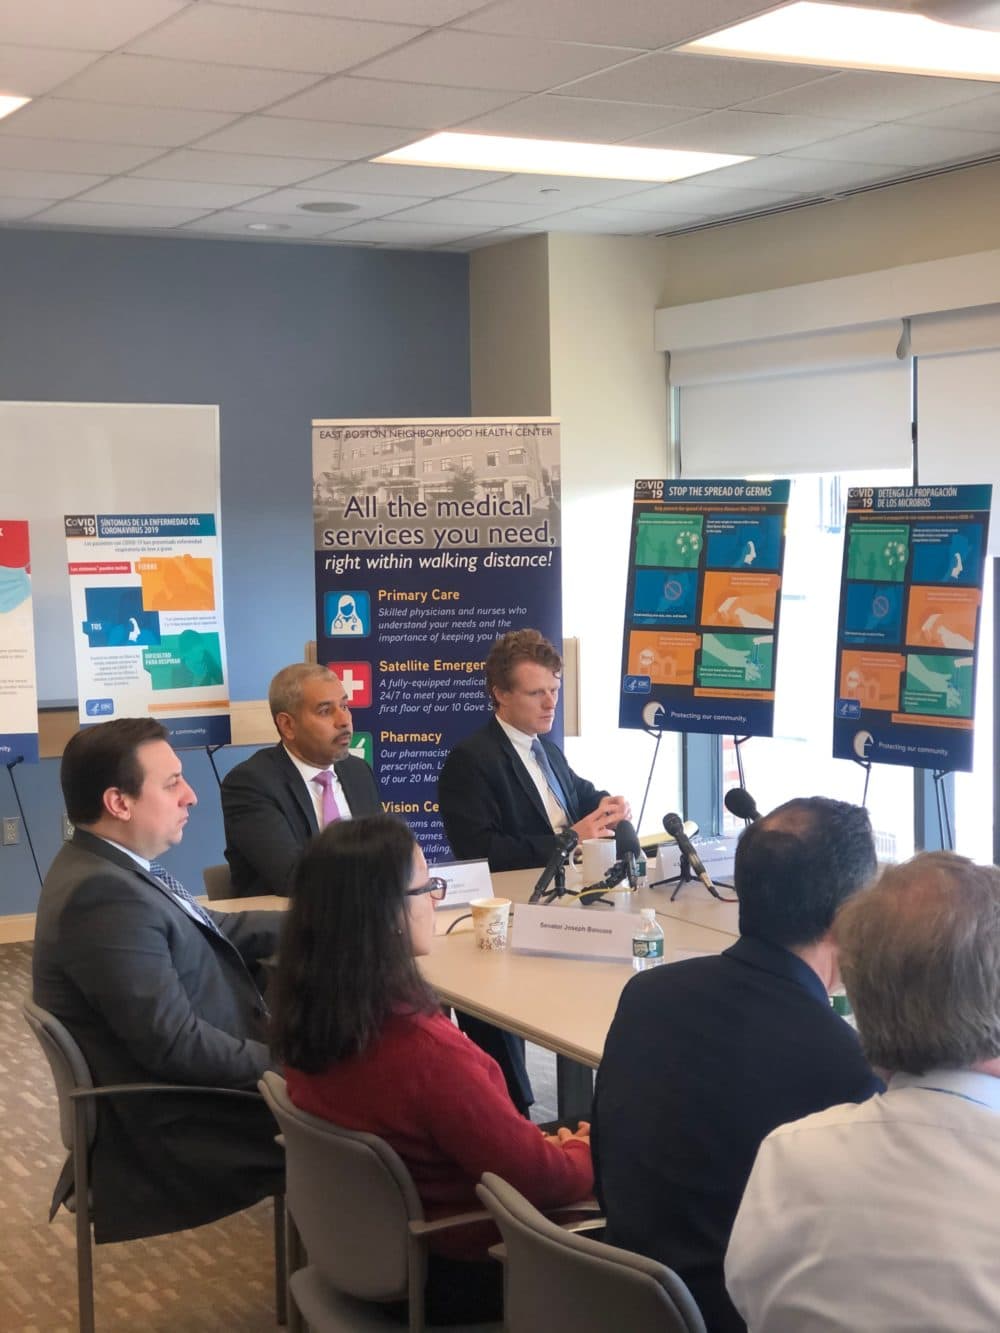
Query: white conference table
(562, 1004)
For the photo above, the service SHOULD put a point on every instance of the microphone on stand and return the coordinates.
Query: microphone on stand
(565, 842)
(627, 849)
(674, 825)
(740, 803)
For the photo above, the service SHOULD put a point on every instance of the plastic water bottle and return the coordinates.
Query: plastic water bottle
(647, 942)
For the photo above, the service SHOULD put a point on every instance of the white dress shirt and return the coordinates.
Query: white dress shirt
(521, 742)
(878, 1218)
(315, 791)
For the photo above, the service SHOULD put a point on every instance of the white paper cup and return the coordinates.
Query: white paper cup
(490, 917)
(598, 858)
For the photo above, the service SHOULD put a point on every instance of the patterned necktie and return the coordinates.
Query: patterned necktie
(178, 891)
(555, 786)
(331, 810)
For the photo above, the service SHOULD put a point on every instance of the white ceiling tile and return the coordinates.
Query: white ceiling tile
(147, 81)
(795, 173)
(469, 213)
(77, 213)
(869, 96)
(743, 132)
(903, 146)
(192, 164)
(14, 210)
(469, 60)
(553, 191)
(618, 222)
(29, 71)
(703, 199)
(229, 222)
(982, 114)
(99, 26)
(641, 23)
(172, 194)
(234, 36)
(388, 178)
(583, 119)
(58, 118)
(688, 80)
(44, 184)
(499, 237)
(101, 159)
(363, 205)
(305, 138)
(405, 233)
(428, 13)
(381, 102)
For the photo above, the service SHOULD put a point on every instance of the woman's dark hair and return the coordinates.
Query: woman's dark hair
(345, 963)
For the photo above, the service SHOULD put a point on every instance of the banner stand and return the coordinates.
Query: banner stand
(212, 751)
(941, 801)
(867, 765)
(11, 765)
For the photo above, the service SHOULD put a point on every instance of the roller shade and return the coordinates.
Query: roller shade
(834, 349)
(958, 423)
(974, 329)
(826, 421)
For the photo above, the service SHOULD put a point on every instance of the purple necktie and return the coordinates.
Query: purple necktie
(331, 810)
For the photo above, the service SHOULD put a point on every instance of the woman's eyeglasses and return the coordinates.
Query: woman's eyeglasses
(436, 887)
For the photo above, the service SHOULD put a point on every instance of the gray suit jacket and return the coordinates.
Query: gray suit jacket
(269, 816)
(153, 995)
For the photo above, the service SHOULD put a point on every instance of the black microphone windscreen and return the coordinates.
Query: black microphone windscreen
(626, 839)
(740, 803)
(673, 824)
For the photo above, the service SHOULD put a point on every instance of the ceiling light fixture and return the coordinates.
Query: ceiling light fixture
(10, 104)
(268, 226)
(555, 157)
(329, 206)
(848, 37)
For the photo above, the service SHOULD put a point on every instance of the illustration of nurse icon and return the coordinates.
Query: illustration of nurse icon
(347, 620)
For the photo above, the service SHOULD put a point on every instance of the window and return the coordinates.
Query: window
(492, 459)
(516, 455)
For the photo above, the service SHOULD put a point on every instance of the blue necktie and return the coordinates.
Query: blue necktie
(178, 890)
(555, 786)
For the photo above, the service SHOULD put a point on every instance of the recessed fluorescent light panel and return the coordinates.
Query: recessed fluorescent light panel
(554, 157)
(8, 105)
(846, 37)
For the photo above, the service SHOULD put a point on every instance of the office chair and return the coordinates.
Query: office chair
(560, 1279)
(355, 1207)
(77, 1097)
(218, 881)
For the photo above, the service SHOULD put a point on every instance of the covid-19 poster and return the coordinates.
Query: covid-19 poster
(908, 630)
(18, 691)
(703, 606)
(432, 538)
(146, 593)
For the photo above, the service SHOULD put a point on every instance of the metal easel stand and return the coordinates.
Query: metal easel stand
(12, 764)
(945, 832)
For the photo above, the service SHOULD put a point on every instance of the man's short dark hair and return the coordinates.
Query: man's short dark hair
(797, 865)
(520, 645)
(104, 756)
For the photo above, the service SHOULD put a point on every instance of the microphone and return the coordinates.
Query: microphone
(627, 849)
(740, 803)
(565, 842)
(674, 825)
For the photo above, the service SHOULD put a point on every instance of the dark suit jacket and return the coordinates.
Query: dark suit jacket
(491, 807)
(269, 816)
(152, 995)
(704, 1058)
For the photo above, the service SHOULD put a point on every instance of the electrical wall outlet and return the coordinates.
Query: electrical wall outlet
(68, 828)
(11, 831)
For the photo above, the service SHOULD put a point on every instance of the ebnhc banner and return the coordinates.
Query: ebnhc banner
(702, 607)
(433, 538)
(908, 632)
(146, 592)
(18, 692)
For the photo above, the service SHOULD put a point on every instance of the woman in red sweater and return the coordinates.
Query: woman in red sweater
(365, 1044)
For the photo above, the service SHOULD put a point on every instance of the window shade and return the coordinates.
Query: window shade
(833, 349)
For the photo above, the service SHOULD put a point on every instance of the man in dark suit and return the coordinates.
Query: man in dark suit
(706, 1056)
(280, 797)
(505, 792)
(155, 990)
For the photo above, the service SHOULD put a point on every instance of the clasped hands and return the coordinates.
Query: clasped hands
(600, 823)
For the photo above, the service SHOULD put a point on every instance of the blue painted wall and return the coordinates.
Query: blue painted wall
(276, 335)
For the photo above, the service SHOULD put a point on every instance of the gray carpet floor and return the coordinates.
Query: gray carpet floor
(219, 1277)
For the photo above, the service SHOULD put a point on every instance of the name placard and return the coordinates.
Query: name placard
(574, 932)
(466, 880)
